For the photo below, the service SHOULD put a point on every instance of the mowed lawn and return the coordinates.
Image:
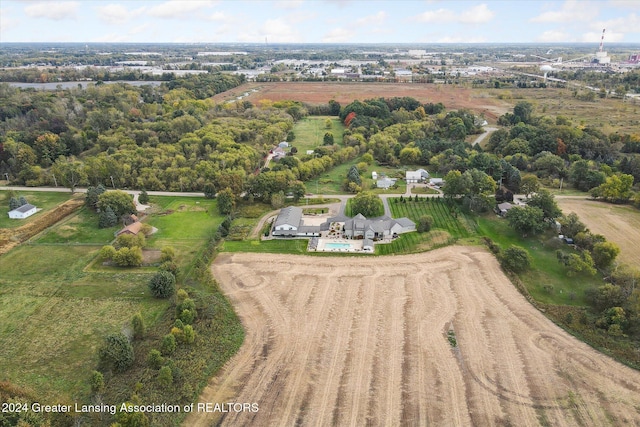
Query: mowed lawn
(42, 200)
(55, 312)
(310, 131)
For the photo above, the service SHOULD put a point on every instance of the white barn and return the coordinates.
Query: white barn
(22, 212)
(416, 176)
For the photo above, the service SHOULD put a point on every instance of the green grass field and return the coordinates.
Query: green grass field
(53, 316)
(81, 227)
(547, 280)
(457, 224)
(293, 246)
(54, 310)
(310, 133)
(42, 200)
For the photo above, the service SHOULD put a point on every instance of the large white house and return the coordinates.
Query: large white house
(23, 211)
(378, 228)
(416, 176)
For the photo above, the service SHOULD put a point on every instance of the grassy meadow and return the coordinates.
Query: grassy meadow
(55, 309)
(310, 131)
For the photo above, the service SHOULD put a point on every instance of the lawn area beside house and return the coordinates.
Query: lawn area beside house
(41, 200)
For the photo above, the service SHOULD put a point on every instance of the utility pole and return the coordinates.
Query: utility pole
(112, 184)
(6, 176)
(55, 181)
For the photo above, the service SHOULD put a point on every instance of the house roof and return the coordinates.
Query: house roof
(133, 228)
(24, 208)
(291, 215)
(505, 206)
(405, 222)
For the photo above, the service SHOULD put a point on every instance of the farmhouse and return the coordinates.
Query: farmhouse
(385, 182)
(22, 212)
(416, 176)
(289, 224)
(378, 228)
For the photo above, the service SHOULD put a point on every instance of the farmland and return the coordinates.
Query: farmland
(619, 224)
(441, 338)
(445, 217)
(477, 100)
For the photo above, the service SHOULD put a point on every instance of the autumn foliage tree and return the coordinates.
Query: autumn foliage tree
(349, 118)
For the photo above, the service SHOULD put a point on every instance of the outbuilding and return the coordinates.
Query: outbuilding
(23, 211)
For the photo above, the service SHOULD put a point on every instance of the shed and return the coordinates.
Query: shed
(23, 211)
(436, 181)
(283, 144)
(385, 182)
(503, 208)
(374, 175)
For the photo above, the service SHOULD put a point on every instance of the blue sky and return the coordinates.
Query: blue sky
(320, 21)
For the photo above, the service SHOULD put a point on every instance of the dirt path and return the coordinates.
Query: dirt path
(334, 342)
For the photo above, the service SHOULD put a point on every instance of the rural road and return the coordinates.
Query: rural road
(482, 136)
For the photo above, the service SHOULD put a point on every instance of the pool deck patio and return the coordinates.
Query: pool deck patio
(354, 245)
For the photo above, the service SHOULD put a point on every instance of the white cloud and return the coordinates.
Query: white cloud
(6, 21)
(279, 31)
(476, 15)
(338, 35)
(435, 16)
(554, 36)
(56, 11)
(377, 19)
(596, 36)
(115, 13)
(627, 24)
(625, 4)
(461, 39)
(179, 8)
(288, 4)
(218, 16)
(571, 11)
(479, 14)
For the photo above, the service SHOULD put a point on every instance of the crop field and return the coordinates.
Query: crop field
(438, 338)
(619, 224)
(478, 100)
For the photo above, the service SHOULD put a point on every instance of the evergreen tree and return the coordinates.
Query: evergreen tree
(107, 218)
(143, 198)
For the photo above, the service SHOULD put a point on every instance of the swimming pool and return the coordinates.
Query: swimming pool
(337, 246)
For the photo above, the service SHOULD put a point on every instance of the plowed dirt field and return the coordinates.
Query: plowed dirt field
(364, 341)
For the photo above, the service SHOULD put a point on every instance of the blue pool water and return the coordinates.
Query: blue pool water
(337, 246)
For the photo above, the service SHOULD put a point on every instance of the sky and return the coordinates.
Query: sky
(320, 21)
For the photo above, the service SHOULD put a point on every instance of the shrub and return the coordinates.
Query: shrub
(137, 323)
(165, 376)
(143, 198)
(171, 267)
(97, 381)
(516, 259)
(130, 241)
(107, 252)
(116, 353)
(168, 344)
(424, 223)
(155, 359)
(126, 257)
(162, 284)
(107, 218)
(189, 334)
(168, 254)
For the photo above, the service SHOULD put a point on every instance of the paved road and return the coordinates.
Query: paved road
(84, 190)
